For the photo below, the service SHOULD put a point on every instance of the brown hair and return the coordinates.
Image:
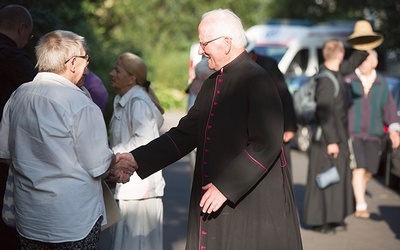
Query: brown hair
(331, 48)
(136, 66)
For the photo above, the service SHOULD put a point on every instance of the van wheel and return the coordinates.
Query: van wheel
(303, 138)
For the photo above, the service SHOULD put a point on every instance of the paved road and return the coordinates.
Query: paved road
(381, 232)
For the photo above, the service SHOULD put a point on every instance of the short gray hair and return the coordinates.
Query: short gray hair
(227, 24)
(55, 48)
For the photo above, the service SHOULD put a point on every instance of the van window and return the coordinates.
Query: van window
(299, 64)
(275, 52)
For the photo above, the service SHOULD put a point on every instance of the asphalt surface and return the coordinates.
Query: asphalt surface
(380, 232)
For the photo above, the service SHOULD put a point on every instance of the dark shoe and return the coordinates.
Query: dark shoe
(327, 229)
(316, 228)
(339, 226)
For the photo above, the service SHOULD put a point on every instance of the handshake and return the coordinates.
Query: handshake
(123, 167)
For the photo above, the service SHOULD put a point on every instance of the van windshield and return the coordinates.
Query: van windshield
(275, 52)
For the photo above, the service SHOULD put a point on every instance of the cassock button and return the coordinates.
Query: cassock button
(220, 80)
(202, 247)
(218, 92)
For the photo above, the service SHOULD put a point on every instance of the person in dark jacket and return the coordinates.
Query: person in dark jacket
(15, 68)
(326, 209)
(97, 90)
(289, 115)
(241, 194)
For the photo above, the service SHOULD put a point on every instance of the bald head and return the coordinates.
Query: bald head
(16, 23)
(370, 63)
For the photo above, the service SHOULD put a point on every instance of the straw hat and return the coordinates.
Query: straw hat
(363, 37)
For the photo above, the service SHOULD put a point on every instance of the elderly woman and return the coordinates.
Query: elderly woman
(58, 158)
(136, 121)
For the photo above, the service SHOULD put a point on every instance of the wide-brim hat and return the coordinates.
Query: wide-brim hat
(363, 37)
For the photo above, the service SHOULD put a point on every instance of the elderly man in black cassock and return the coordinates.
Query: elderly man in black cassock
(241, 195)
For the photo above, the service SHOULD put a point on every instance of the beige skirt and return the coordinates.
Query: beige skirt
(141, 225)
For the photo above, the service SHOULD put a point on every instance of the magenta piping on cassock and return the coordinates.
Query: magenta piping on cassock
(177, 149)
(254, 160)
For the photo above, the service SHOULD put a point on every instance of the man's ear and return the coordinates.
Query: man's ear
(228, 45)
(21, 26)
(71, 65)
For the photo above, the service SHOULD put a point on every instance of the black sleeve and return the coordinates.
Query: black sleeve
(355, 59)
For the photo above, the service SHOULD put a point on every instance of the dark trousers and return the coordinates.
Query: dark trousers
(90, 242)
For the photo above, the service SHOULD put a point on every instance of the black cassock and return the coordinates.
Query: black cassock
(236, 124)
(334, 203)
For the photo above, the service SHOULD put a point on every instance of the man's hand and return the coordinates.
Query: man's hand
(394, 138)
(287, 136)
(124, 167)
(212, 199)
(333, 149)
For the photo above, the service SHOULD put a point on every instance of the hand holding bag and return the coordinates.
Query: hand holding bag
(328, 177)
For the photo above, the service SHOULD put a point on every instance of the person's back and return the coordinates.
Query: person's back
(15, 65)
(15, 69)
(271, 66)
(55, 113)
(289, 116)
(326, 209)
(47, 133)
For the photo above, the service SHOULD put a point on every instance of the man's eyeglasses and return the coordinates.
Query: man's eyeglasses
(203, 45)
(86, 57)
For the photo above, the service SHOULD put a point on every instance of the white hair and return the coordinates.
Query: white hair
(227, 23)
(55, 48)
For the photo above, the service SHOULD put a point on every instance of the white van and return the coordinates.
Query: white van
(296, 48)
(194, 59)
(298, 51)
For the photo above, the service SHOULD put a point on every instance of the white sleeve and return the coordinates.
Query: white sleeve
(138, 126)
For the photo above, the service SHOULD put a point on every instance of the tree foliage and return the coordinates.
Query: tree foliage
(161, 31)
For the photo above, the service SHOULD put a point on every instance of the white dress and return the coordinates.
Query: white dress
(135, 122)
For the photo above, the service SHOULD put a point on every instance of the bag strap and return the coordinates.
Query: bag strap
(331, 76)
